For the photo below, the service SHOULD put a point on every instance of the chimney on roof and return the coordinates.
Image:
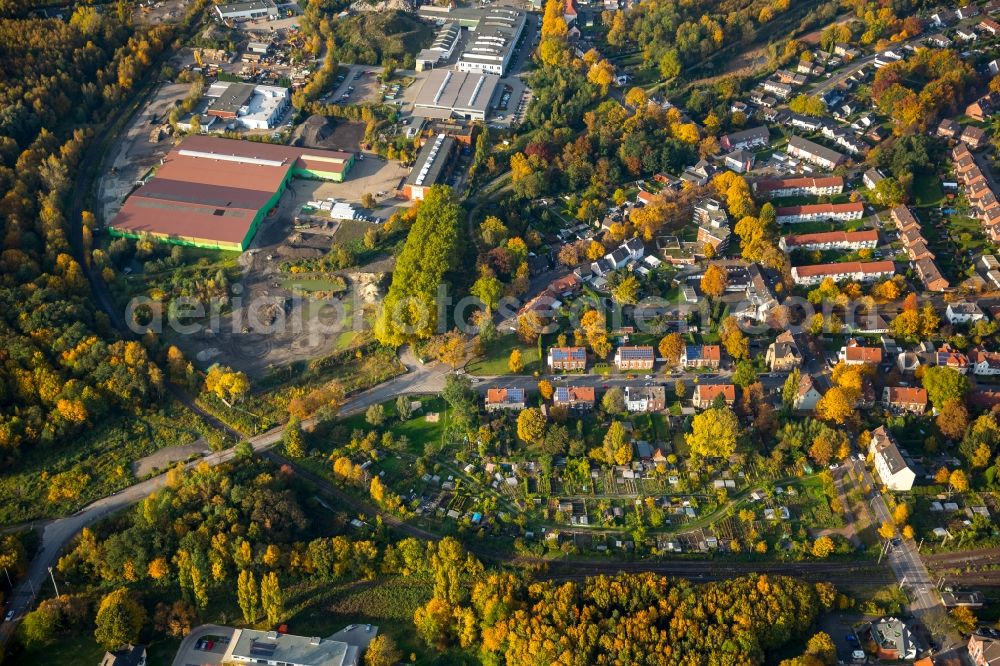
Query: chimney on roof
(315, 640)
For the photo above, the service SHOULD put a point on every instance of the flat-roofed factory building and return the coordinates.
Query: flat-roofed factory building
(212, 192)
(450, 94)
(241, 11)
(433, 165)
(246, 104)
(493, 33)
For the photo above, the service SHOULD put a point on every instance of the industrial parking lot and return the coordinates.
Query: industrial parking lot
(360, 85)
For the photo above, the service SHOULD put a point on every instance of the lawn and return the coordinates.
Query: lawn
(927, 190)
(76, 648)
(417, 429)
(319, 609)
(495, 361)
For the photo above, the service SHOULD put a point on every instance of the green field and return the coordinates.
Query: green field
(495, 361)
(927, 190)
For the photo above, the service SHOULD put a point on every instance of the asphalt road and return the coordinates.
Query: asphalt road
(909, 568)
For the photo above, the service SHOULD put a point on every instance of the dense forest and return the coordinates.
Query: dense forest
(633, 619)
(59, 367)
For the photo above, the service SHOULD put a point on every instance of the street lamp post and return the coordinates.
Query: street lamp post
(53, 576)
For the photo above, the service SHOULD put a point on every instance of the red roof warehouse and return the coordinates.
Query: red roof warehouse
(212, 192)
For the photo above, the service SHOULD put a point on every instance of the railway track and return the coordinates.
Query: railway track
(840, 572)
(957, 558)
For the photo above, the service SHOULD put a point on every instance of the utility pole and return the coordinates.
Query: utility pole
(53, 576)
(9, 582)
(920, 545)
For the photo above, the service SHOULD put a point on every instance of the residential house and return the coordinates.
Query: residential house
(930, 275)
(967, 12)
(857, 271)
(949, 129)
(900, 399)
(739, 161)
(705, 395)
(778, 89)
(618, 258)
(793, 187)
(635, 358)
(567, 358)
(938, 41)
(907, 362)
(814, 153)
(504, 398)
(853, 145)
(943, 18)
(760, 297)
(893, 641)
(129, 655)
(966, 35)
(701, 356)
(974, 137)
(988, 25)
(949, 357)
(749, 139)
(903, 218)
(645, 398)
(713, 224)
(872, 178)
(984, 363)
(831, 240)
(855, 354)
(893, 471)
(807, 394)
(888, 57)
(569, 11)
(868, 323)
(566, 286)
(783, 354)
(635, 247)
(699, 174)
(574, 397)
(984, 650)
(807, 123)
(963, 312)
(818, 212)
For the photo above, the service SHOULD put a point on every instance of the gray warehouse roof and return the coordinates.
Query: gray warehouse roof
(236, 96)
(431, 161)
(240, 7)
(462, 92)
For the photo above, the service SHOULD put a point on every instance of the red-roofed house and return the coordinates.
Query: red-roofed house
(899, 399)
(705, 394)
(854, 354)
